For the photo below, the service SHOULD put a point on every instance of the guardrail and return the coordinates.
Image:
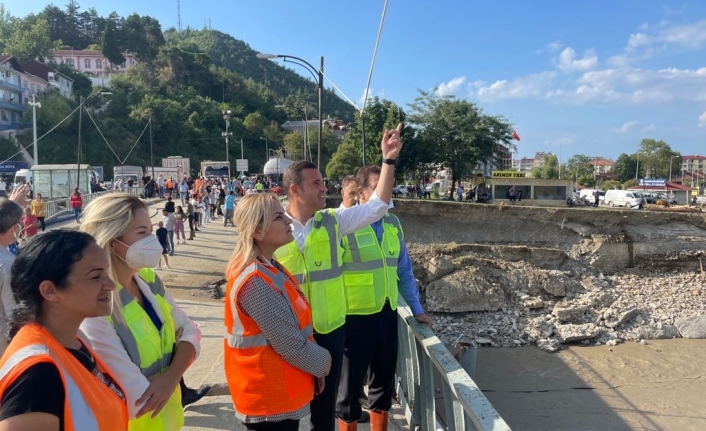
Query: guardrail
(423, 364)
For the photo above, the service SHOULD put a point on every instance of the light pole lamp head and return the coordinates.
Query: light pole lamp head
(262, 56)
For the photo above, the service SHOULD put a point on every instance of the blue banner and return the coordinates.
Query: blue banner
(652, 182)
(12, 167)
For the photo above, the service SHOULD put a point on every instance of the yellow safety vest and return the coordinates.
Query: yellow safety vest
(318, 271)
(259, 187)
(370, 267)
(149, 349)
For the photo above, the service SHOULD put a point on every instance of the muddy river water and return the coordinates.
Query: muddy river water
(658, 386)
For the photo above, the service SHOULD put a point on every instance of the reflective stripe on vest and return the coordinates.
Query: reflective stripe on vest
(261, 382)
(235, 337)
(80, 412)
(135, 324)
(370, 267)
(89, 403)
(318, 271)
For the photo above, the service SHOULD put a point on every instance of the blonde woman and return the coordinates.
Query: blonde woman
(148, 341)
(273, 366)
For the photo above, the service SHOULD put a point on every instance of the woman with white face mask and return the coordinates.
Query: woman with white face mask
(148, 341)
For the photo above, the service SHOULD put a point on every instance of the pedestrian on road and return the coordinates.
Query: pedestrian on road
(179, 219)
(76, 201)
(230, 208)
(168, 220)
(314, 257)
(169, 205)
(29, 223)
(373, 277)
(147, 341)
(272, 364)
(39, 209)
(51, 379)
(162, 236)
(596, 197)
(190, 216)
(10, 217)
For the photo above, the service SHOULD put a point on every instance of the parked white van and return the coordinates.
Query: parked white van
(622, 198)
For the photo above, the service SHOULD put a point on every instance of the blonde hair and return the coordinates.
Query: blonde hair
(252, 212)
(106, 218)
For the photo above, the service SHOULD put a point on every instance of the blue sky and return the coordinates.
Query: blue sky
(591, 77)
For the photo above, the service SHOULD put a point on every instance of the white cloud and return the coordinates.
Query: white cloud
(650, 128)
(535, 85)
(664, 36)
(702, 120)
(568, 62)
(551, 47)
(371, 93)
(625, 128)
(449, 88)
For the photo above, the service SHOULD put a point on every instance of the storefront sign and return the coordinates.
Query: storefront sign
(508, 174)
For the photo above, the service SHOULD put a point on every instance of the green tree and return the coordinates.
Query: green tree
(458, 132)
(255, 123)
(655, 157)
(293, 144)
(629, 184)
(577, 166)
(587, 180)
(611, 185)
(537, 173)
(379, 115)
(30, 41)
(625, 167)
(344, 162)
(550, 170)
(109, 45)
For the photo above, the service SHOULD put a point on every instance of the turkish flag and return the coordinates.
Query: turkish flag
(515, 135)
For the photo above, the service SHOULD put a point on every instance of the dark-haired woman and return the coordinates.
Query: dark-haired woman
(50, 379)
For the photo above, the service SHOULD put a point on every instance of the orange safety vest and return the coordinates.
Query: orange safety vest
(260, 381)
(90, 405)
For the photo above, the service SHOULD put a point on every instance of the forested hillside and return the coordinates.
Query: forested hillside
(184, 81)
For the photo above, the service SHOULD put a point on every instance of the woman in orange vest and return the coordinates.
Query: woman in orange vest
(50, 379)
(273, 366)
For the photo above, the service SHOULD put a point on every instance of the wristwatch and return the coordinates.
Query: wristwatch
(389, 161)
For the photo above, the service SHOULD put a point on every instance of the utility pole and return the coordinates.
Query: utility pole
(151, 153)
(227, 115)
(321, 112)
(78, 170)
(34, 104)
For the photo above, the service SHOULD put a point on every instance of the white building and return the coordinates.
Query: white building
(11, 91)
(40, 77)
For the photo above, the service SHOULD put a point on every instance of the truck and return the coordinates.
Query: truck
(127, 172)
(182, 164)
(100, 174)
(211, 169)
(167, 173)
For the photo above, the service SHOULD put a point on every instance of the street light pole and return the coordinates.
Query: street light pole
(670, 168)
(319, 76)
(78, 167)
(637, 168)
(34, 104)
(151, 149)
(267, 149)
(563, 141)
(227, 115)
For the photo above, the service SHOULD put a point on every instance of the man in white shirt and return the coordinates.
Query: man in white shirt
(160, 186)
(306, 192)
(349, 191)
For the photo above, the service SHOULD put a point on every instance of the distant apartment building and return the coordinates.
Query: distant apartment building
(40, 77)
(693, 164)
(11, 91)
(525, 164)
(501, 161)
(601, 165)
(94, 64)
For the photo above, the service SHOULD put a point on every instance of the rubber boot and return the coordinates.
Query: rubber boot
(378, 420)
(347, 426)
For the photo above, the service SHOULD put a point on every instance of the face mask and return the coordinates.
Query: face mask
(144, 253)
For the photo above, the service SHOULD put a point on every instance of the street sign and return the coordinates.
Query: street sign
(507, 174)
(241, 165)
(652, 182)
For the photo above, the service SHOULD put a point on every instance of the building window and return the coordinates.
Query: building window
(3, 116)
(99, 64)
(87, 63)
(69, 61)
(34, 88)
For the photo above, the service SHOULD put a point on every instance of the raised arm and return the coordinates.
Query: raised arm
(391, 145)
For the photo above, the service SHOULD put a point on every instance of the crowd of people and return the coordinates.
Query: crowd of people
(97, 342)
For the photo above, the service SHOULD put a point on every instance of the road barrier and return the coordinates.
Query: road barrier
(427, 375)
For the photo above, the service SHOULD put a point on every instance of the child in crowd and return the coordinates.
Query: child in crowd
(162, 234)
(29, 221)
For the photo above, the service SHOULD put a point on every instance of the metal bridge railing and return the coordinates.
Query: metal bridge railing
(424, 364)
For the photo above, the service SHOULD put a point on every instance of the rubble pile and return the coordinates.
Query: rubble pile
(515, 295)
